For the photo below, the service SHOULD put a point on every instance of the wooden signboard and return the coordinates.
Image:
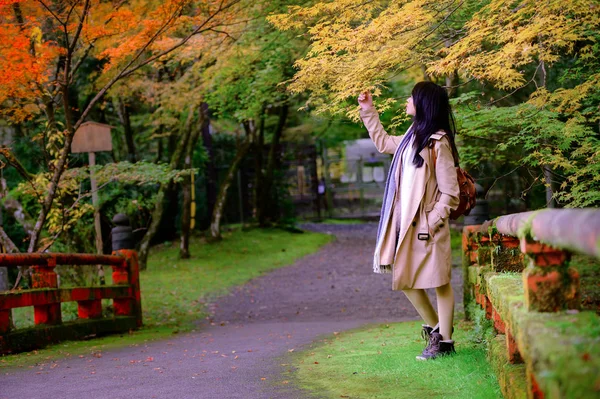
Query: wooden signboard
(92, 137)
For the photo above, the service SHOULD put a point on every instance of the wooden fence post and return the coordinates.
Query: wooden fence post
(129, 272)
(45, 277)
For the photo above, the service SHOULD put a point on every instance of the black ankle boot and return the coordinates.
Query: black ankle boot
(437, 347)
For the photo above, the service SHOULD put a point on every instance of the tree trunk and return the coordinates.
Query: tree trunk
(123, 111)
(215, 225)
(265, 195)
(186, 214)
(259, 143)
(210, 170)
(164, 188)
(159, 150)
(547, 170)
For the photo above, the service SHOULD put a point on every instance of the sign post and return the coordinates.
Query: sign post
(92, 137)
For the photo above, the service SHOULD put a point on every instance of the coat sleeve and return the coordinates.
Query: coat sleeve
(445, 172)
(385, 143)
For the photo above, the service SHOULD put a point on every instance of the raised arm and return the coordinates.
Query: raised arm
(385, 143)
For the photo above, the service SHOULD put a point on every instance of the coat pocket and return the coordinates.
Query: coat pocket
(434, 222)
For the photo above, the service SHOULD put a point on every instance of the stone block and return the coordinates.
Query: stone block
(551, 289)
(484, 256)
(512, 348)
(543, 255)
(498, 322)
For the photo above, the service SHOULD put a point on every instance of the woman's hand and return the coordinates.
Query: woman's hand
(365, 100)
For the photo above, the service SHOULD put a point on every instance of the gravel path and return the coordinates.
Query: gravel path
(237, 352)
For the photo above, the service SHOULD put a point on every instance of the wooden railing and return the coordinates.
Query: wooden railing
(517, 268)
(46, 298)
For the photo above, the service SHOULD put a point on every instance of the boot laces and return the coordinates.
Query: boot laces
(434, 343)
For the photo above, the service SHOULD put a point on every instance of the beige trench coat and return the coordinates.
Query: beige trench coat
(421, 256)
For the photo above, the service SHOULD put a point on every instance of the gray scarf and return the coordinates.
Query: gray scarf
(388, 199)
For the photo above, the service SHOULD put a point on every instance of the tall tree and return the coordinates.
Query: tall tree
(246, 88)
(538, 58)
(44, 45)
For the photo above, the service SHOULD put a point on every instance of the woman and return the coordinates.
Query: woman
(413, 239)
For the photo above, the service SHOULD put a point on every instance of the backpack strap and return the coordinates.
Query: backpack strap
(438, 136)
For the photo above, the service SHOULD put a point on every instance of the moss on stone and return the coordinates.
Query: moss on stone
(484, 255)
(524, 231)
(472, 272)
(511, 377)
(507, 259)
(563, 348)
(505, 290)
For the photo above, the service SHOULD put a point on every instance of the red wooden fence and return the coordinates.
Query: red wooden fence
(46, 298)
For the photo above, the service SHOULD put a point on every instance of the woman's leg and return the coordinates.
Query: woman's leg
(445, 302)
(422, 304)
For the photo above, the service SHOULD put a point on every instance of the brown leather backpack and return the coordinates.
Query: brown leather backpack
(466, 186)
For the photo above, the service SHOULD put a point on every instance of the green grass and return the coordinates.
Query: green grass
(174, 291)
(379, 362)
(456, 245)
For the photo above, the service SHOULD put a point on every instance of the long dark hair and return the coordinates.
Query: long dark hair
(433, 113)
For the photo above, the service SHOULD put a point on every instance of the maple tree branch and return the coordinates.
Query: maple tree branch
(52, 13)
(183, 41)
(441, 22)
(71, 10)
(80, 61)
(226, 34)
(126, 71)
(86, 8)
(65, 213)
(7, 243)
(517, 89)
(14, 162)
(501, 177)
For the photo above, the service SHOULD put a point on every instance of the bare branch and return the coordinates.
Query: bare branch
(126, 71)
(86, 8)
(80, 61)
(501, 177)
(7, 243)
(52, 13)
